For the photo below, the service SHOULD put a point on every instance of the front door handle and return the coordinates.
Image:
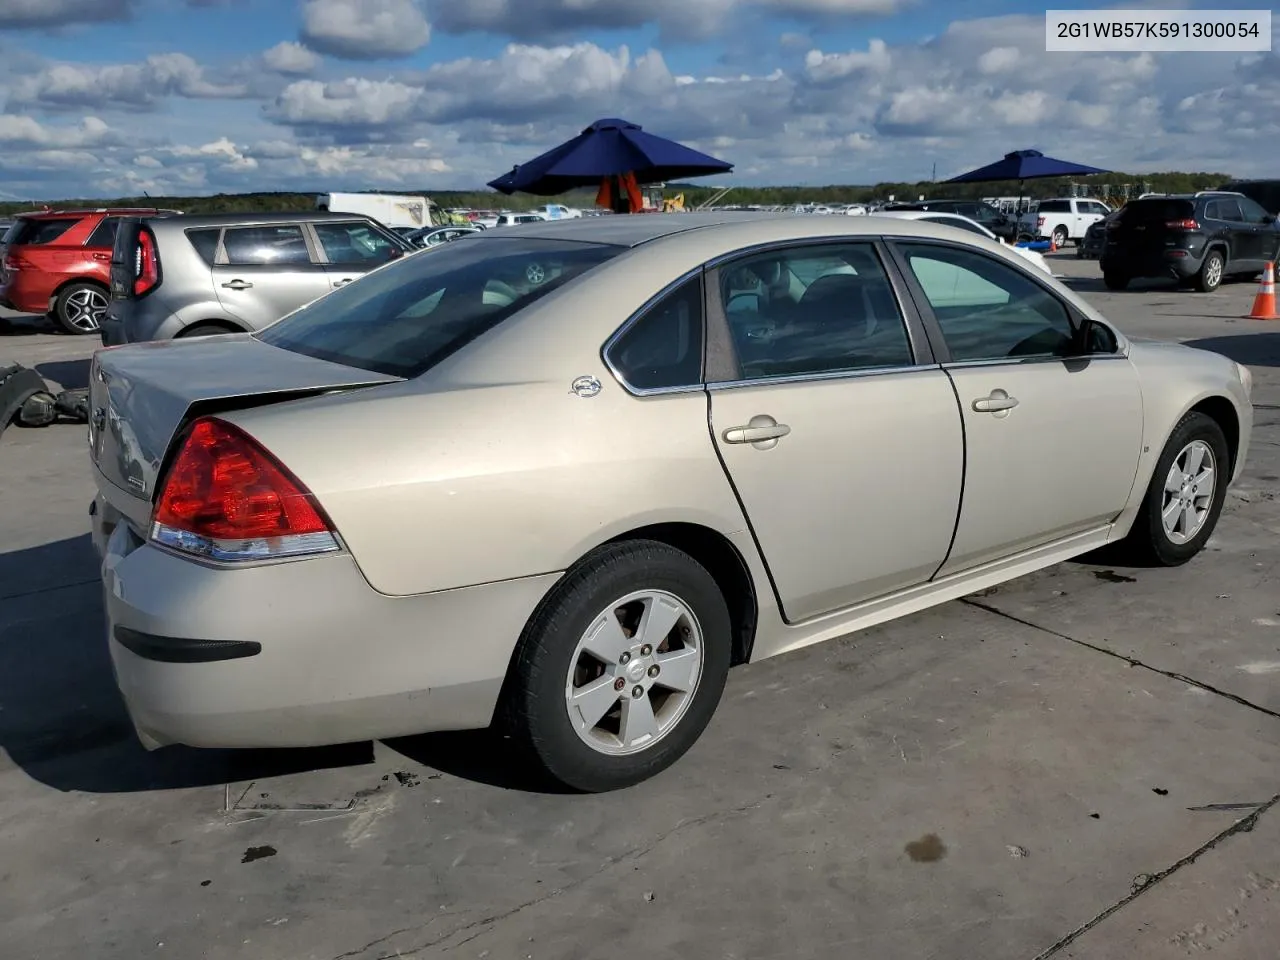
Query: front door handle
(102, 256)
(998, 403)
(343, 282)
(237, 284)
(763, 432)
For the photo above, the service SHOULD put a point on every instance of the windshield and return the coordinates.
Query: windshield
(408, 316)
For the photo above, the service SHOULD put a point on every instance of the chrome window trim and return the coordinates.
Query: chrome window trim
(635, 318)
(856, 374)
(1022, 361)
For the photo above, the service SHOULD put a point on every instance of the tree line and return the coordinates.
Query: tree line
(1103, 185)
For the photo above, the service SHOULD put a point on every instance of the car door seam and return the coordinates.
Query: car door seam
(746, 515)
(964, 474)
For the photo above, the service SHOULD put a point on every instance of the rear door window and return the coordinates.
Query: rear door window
(408, 316)
(104, 235)
(36, 232)
(353, 243)
(1229, 209)
(267, 245)
(1055, 206)
(1253, 212)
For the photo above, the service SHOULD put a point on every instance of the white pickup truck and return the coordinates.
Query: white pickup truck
(1068, 218)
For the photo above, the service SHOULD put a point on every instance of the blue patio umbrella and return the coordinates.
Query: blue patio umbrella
(608, 148)
(1026, 165)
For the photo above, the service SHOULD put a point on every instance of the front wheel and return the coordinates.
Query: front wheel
(80, 308)
(621, 668)
(1210, 276)
(1185, 496)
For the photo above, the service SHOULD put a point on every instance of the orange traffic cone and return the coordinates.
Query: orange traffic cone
(1264, 304)
(1053, 246)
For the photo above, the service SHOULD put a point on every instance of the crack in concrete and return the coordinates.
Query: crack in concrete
(1244, 825)
(1131, 661)
(483, 924)
(36, 591)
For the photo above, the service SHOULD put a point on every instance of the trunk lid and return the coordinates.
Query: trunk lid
(140, 396)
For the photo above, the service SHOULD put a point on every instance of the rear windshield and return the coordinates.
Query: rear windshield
(27, 231)
(406, 317)
(1157, 208)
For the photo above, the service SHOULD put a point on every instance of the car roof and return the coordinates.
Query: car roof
(248, 219)
(631, 230)
(85, 212)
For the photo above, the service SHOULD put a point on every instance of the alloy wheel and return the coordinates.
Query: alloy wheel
(85, 308)
(634, 673)
(1188, 492)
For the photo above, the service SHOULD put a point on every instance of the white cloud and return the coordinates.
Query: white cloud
(365, 29)
(138, 86)
(290, 58)
(23, 131)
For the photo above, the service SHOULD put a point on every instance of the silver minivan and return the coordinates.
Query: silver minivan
(232, 273)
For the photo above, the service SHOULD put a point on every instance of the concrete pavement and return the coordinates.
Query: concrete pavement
(1078, 764)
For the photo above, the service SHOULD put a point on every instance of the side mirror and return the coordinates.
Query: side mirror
(395, 254)
(1268, 218)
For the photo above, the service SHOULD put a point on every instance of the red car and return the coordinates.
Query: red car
(58, 262)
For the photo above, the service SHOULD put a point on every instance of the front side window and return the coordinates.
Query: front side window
(353, 243)
(404, 318)
(663, 348)
(988, 310)
(265, 245)
(1253, 212)
(813, 310)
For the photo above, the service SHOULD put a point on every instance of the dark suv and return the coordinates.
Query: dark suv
(1197, 239)
(1003, 226)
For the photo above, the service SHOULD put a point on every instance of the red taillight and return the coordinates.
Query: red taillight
(1039, 221)
(227, 498)
(146, 265)
(1182, 224)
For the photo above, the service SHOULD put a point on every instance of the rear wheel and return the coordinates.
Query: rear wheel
(1114, 280)
(1210, 276)
(210, 329)
(1185, 496)
(1059, 236)
(80, 308)
(621, 668)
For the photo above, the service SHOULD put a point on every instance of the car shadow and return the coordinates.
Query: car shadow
(481, 756)
(25, 325)
(1251, 349)
(68, 374)
(64, 723)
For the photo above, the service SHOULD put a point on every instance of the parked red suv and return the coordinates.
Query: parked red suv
(59, 262)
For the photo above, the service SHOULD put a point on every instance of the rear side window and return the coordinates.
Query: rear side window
(1055, 206)
(35, 232)
(104, 235)
(663, 348)
(268, 245)
(206, 243)
(1145, 211)
(409, 315)
(353, 243)
(958, 223)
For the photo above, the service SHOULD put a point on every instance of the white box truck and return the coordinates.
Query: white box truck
(396, 212)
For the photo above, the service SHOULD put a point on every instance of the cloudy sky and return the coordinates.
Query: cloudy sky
(112, 97)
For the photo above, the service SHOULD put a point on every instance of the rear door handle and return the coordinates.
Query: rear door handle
(102, 256)
(344, 281)
(237, 284)
(997, 402)
(763, 431)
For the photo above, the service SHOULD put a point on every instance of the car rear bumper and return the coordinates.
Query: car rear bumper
(14, 296)
(1177, 264)
(300, 653)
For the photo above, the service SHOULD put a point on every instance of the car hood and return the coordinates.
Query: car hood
(142, 395)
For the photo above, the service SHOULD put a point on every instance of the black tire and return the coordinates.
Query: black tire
(211, 329)
(534, 709)
(1209, 278)
(1114, 281)
(79, 308)
(1148, 542)
(1059, 236)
